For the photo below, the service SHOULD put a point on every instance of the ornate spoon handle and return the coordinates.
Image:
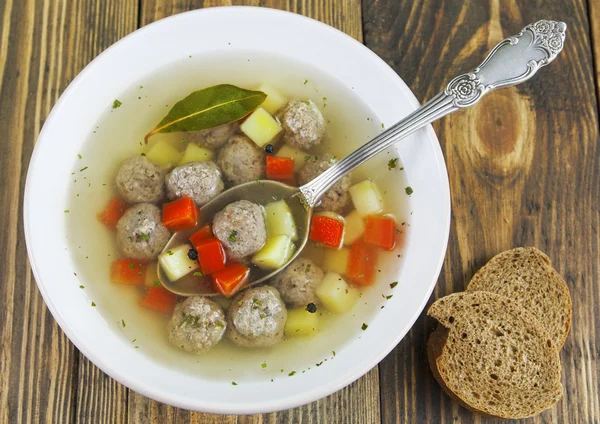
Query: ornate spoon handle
(512, 61)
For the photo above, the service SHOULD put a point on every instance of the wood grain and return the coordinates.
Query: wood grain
(43, 45)
(524, 170)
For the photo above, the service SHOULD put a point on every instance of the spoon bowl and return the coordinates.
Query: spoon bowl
(260, 192)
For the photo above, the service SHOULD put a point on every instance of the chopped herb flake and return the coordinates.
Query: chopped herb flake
(132, 266)
(263, 365)
(233, 236)
(392, 163)
(233, 383)
(83, 169)
(409, 190)
(156, 283)
(305, 82)
(123, 323)
(197, 274)
(67, 211)
(117, 103)
(292, 373)
(79, 156)
(170, 253)
(394, 284)
(93, 304)
(389, 296)
(81, 287)
(364, 327)
(144, 237)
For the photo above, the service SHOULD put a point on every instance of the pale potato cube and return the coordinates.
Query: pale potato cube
(260, 127)
(355, 227)
(162, 153)
(276, 252)
(300, 322)
(336, 260)
(175, 262)
(195, 153)
(298, 155)
(274, 100)
(335, 294)
(151, 276)
(280, 220)
(366, 198)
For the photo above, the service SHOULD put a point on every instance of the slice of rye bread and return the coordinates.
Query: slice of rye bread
(493, 355)
(526, 275)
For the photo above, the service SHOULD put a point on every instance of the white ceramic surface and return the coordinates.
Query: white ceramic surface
(246, 29)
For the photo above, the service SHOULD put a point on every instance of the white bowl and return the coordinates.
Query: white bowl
(120, 66)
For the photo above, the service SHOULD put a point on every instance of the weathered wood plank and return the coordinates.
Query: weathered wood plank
(358, 403)
(43, 44)
(594, 16)
(524, 170)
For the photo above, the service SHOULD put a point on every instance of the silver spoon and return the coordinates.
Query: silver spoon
(512, 61)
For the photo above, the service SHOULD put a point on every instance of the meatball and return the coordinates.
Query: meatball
(140, 232)
(241, 160)
(200, 181)
(298, 282)
(337, 197)
(240, 226)
(197, 325)
(139, 180)
(303, 124)
(214, 138)
(256, 317)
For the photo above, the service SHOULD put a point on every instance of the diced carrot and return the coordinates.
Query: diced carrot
(159, 299)
(200, 235)
(380, 231)
(280, 169)
(180, 214)
(211, 255)
(327, 230)
(362, 263)
(112, 213)
(231, 279)
(128, 271)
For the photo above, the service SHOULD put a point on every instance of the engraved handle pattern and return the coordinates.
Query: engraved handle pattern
(512, 61)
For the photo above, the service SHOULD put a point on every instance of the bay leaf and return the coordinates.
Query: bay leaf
(209, 108)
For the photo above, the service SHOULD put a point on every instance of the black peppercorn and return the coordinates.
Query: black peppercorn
(311, 307)
(269, 148)
(192, 254)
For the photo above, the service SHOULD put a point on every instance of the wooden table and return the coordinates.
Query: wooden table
(524, 169)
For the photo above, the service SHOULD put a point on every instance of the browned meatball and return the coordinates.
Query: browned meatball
(200, 181)
(336, 198)
(140, 232)
(240, 226)
(139, 180)
(256, 317)
(298, 282)
(303, 124)
(197, 325)
(214, 138)
(241, 160)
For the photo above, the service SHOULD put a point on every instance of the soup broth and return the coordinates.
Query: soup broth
(119, 133)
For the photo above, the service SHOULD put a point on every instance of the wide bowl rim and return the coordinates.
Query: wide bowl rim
(228, 408)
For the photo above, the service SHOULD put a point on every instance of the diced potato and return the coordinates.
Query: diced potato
(335, 294)
(366, 198)
(355, 227)
(298, 155)
(336, 260)
(151, 276)
(300, 322)
(175, 262)
(261, 127)
(195, 153)
(280, 220)
(162, 153)
(276, 251)
(274, 100)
